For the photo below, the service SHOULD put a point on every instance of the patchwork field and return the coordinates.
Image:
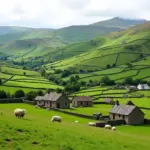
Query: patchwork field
(36, 131)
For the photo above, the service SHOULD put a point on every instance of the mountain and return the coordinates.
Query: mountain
(29, 43)
(120, 22)
(107, 55)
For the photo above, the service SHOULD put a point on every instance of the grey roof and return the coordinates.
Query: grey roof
(122, 109)
(53, 96)
(39, 98)
(82, 98)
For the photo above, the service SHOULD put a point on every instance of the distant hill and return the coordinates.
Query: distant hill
(120, 22)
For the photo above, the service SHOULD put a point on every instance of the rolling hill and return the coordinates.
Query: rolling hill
(109, 55)
(53, 39)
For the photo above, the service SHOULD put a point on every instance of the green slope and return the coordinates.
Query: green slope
(116, 49)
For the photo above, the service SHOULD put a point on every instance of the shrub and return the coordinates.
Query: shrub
(31, 95)
(19, 93)
(3, 94)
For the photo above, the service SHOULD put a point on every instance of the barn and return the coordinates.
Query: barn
(130, 113)
(53, 100)
(82, 101)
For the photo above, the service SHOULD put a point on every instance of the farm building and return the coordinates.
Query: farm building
(82, 101)
(109, 101)
(53, 100)
(130, 113)
(143, 87)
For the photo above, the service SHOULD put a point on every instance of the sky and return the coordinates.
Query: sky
(61, 13)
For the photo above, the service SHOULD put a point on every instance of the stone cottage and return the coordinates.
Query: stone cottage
(82, 101)
(53, 100)
(130, 113)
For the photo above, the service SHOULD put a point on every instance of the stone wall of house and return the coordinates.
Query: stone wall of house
(136, 117)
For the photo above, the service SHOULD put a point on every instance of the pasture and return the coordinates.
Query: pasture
(36, 132)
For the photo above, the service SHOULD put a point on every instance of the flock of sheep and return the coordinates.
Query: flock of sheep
(20, 113)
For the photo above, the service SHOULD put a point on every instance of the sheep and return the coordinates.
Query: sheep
(92, 124)
(56, 119)
(107, 126)
(36, 106)
(113, 128)
(76, 121)
(19, 112)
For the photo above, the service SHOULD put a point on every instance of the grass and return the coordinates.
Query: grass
(31, 84)
(4, 76)
(19, 71)
(36, 132)
(12, 90)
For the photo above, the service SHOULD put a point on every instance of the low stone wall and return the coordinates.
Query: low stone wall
(11, 100)
(29, 102)
(111, 122)
(74, 114)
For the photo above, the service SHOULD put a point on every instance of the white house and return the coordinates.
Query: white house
(143, 87)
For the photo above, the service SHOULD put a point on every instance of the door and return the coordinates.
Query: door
(58, 105)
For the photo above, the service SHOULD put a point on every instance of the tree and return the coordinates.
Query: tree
(24, 73)
(128, 80)
(129, 65)
(114, 65)
(77, 77)
(141, 55)
(3, 94)
(72, 79)
(40, 93)
(106, 80)
(31, 95)
(0, 81)
(108, 66)
(19, 93)
(58, 90)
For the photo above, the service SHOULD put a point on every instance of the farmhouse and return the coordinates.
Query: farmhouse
(109, 101)
(53, 100)
(143, 87)
(82, 101)
(130, 113)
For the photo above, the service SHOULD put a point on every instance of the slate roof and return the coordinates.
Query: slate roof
(82, 98)
(53, 96)
(39, 98)
(123, 109)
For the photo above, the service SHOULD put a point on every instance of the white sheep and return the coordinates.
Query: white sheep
(20, 112)
(36, 106)
(113, 128)
(76, 121)
(56, 119)
(92, 124)
(107, 126)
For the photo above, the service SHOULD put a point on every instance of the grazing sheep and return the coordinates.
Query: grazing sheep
(56, 119)
(36, 106)
(19, 112)
(92, 124)
(107, 126)
(113, 128)
(76, 121)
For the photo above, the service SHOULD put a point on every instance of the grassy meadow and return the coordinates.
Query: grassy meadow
(36, 131)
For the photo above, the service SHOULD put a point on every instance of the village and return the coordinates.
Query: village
(119, 114)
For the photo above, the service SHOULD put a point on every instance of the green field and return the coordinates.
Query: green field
(36, 131)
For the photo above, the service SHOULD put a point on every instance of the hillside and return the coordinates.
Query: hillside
(47, 40)
(120, 22)
(111, 52)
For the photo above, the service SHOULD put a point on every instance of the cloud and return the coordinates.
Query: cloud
(60, 13)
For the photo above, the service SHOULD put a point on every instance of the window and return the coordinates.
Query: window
(123, 117)
(81, 103)
(66, 104)
(113, 116)
(87, 103)
(119, 115)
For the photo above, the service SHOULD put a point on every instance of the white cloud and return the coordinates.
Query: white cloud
(59, 13)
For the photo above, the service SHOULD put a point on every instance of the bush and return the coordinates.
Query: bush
(40, 93)
(31, 95)
(19, 93)
(128, 80)
(3, 94)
